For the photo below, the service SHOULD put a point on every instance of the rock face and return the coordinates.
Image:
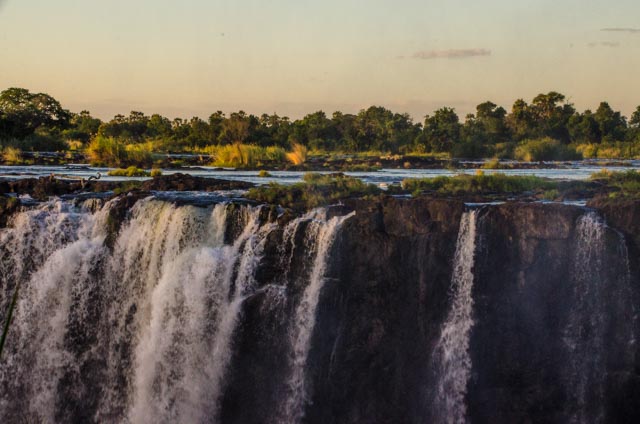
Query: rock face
(186, 182)
(342, 316)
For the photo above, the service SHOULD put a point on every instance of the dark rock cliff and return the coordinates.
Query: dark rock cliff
(388, 293)
(556, 294)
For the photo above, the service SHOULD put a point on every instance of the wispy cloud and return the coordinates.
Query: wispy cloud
(451, 54)
(605, 44)
(627, 30)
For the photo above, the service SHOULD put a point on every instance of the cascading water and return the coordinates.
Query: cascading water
(321, 236)
(451, 362)
(598, 297)
(141, 331)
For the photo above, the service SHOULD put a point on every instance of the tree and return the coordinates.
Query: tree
(492, 119)
(24, 112)
(521, 120)
(611, 124)
(442, 130)
(634, 121)
(82, 127)
(236, 129)
(583, 128)
(159, 126)
(551, 114)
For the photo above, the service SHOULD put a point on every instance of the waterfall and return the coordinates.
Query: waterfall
(451, 361)
(143, 331)
(601, 294)
(322, 235)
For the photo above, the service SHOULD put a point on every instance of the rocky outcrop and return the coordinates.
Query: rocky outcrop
(186, 182)
(537, 294)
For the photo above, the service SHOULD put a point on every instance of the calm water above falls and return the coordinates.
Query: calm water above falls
(572, 171)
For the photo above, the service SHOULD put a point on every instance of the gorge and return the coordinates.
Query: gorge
(388, 310)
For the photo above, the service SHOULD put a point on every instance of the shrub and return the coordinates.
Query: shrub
(315, 190)
(624, 184)
(12, 155)
(107, 151)
(299, 154)
(544, 149)
(478, 184)
(131, 171)
(139, 154)
(263, 174)
(245, 155)
(156, 172)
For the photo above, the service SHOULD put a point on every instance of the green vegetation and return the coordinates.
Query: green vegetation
(131, 171)
(544, 149)
(480, 183)
(315, 190)
(239, 155)
(547, 128)
(155, 172)
(12, 155)
(621, 184)
(263, 174)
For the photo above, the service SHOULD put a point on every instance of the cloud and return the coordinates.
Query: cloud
(451, 54)
(628, 30)
(605, 44)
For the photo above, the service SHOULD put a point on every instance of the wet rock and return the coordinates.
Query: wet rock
(186, 182)
(8, 205)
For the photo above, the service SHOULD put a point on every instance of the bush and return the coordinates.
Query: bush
(479, 184)
(245, 155)
(107, 151)
(156, 172)
(299, 154)
(624, 184)
(12, 155)
(315, 190)
(263, 174)
(544, 149)
(619, 150)
(131, 171)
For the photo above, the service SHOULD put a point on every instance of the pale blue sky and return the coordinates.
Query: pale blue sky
(192, 57)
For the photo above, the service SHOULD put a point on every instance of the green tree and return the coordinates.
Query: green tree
(83, 127)
(551, 113)
(442, 130)
(583, 128)
(23, 113)
(611, 124)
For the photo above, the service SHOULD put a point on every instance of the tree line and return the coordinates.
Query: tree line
(37, 121)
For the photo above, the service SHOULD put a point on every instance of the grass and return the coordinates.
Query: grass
(625, 184)
(298, 155)
(12, 155)
(480, 183)
(544, 149)
(131, 171)
(494, 164)
(617, 150)
(240, 155)
(108, 151)
(315, 190)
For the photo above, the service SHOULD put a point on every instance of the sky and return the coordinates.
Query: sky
(293, 57)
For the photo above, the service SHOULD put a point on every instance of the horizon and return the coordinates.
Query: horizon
(295, 58)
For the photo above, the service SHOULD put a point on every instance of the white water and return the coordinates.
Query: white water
(154, 316)
(321, 234)
(451, 360)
